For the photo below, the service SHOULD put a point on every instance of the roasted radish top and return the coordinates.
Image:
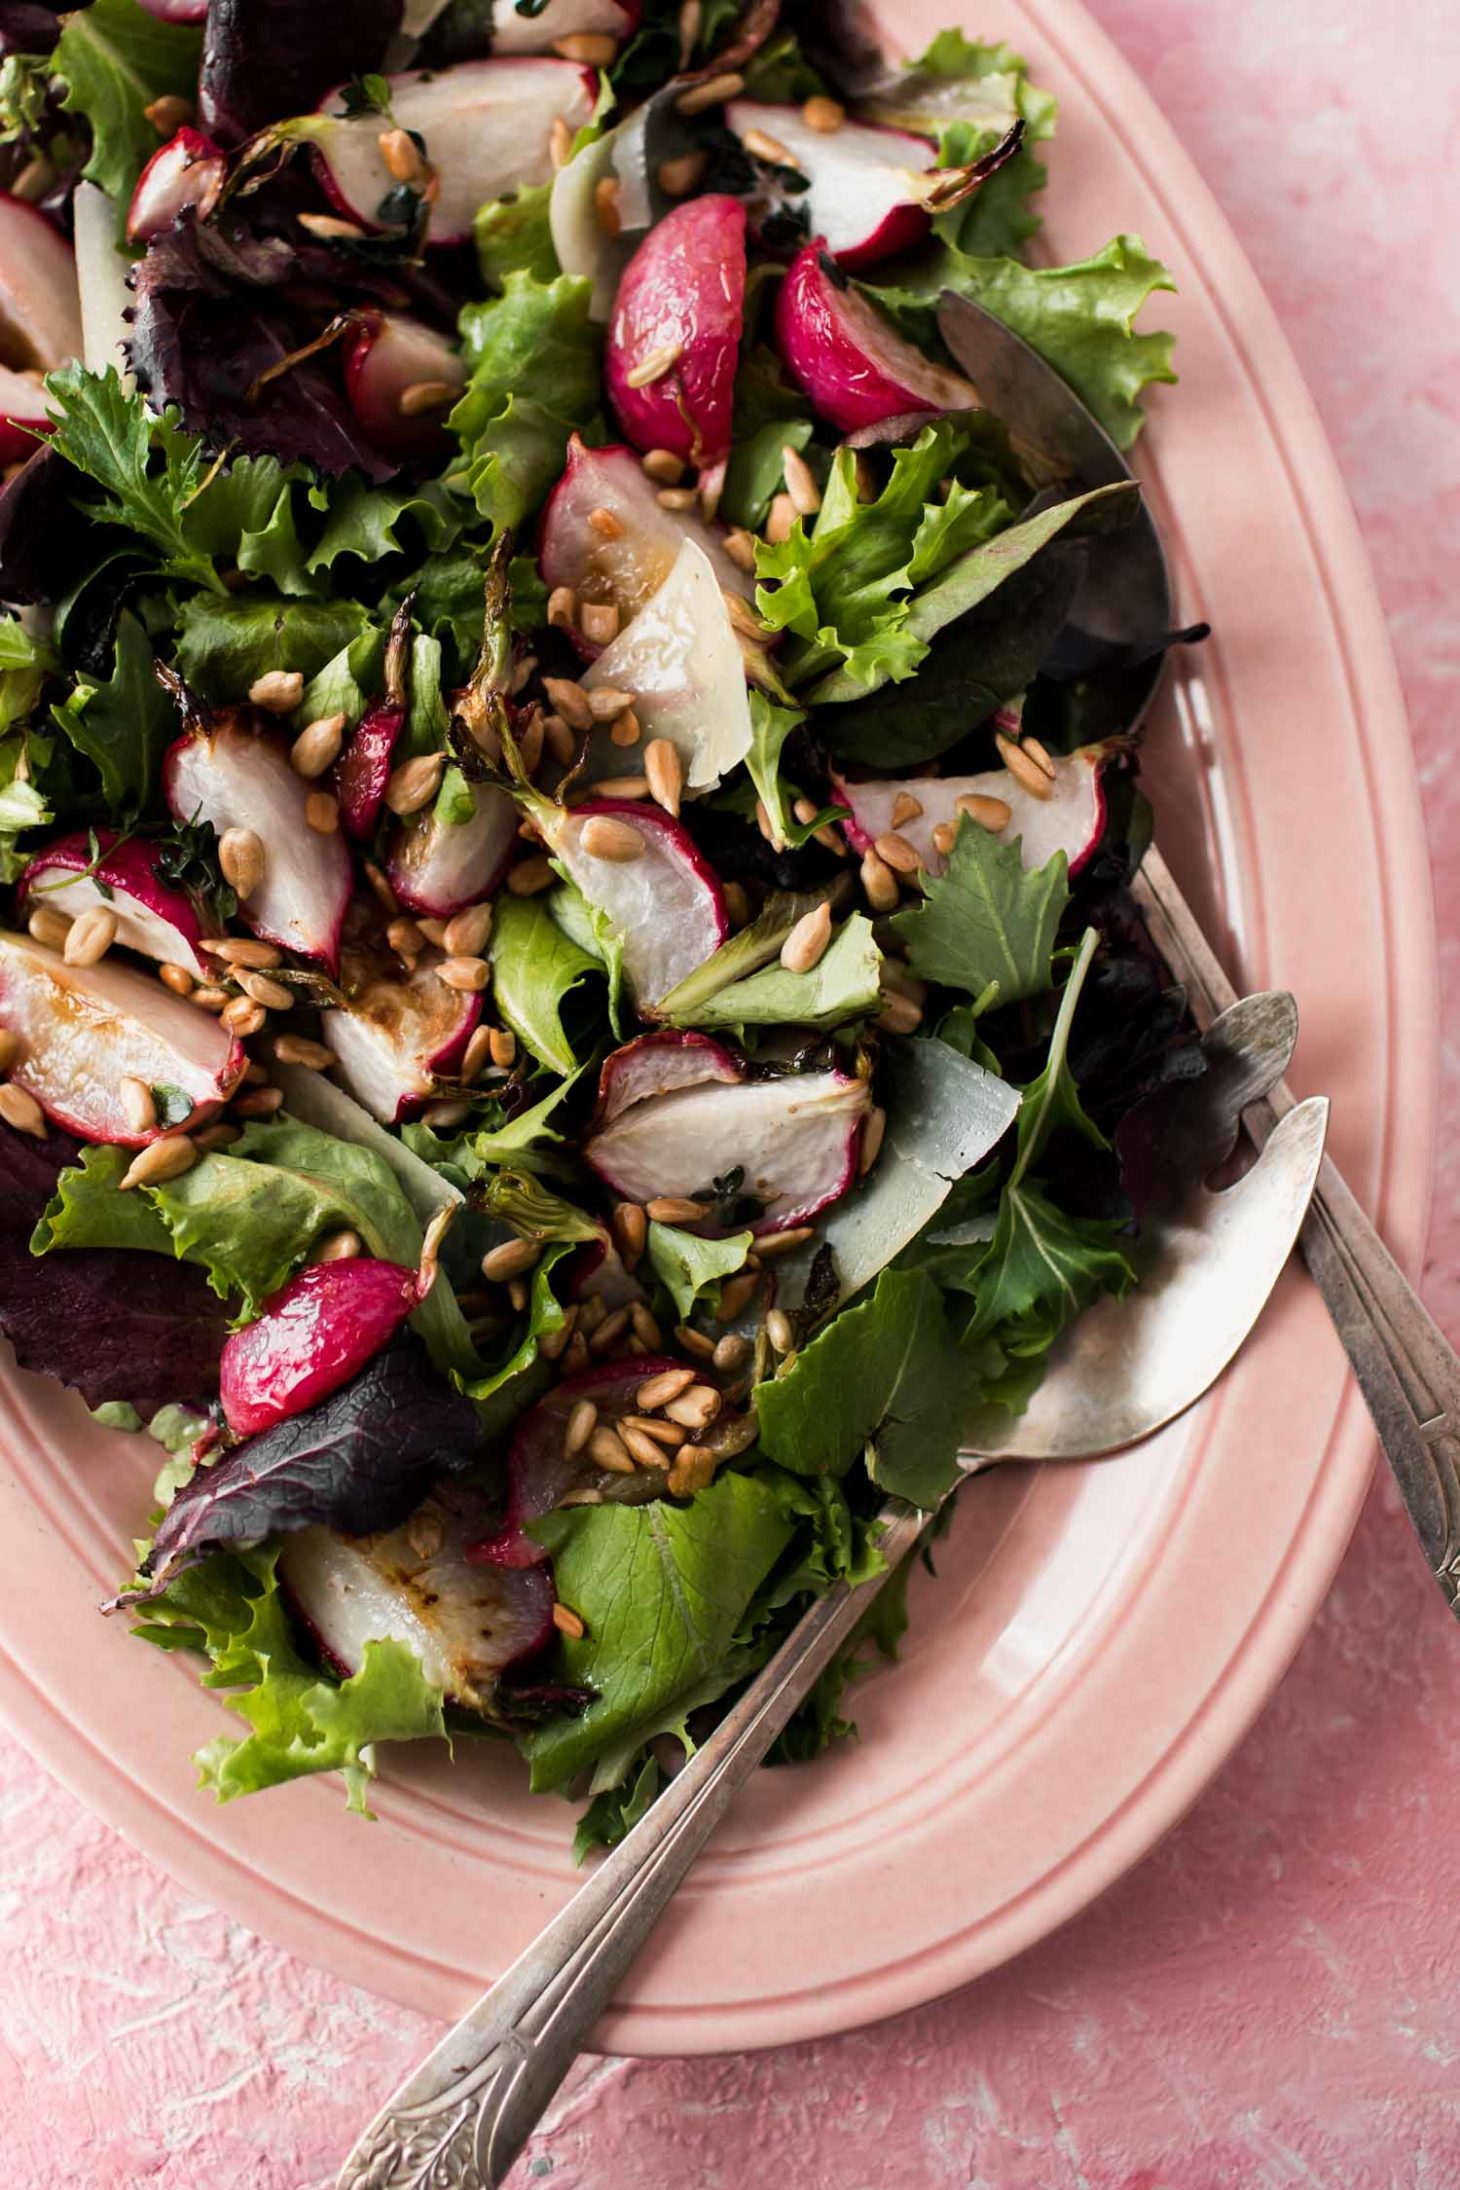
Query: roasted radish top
(569, 1007)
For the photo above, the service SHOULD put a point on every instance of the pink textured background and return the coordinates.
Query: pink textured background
(1272, 1999)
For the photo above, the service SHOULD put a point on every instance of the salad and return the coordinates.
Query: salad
(570, 1015)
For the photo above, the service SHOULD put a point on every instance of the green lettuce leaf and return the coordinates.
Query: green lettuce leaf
(243, 513)
(108, 436)
(690, 1267)
(374, 522)
(844, 984)
(756, 472)
(535, 967)
(1041, 1267)
(513, 236)
(534, 355)
(114, 59)
(224, 645)
(967, 95)
(123, 725)
(988, 924)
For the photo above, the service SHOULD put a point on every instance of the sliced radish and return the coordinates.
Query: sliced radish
(539, 31)
(1071, 820)
(237, 776)
(681, 660)
(312, 1337)
(540, 1472)
(154, 918)
(40, 309)
(23, 414)
(396, 1034)
(795, 1137)
(657, 1064)
(177, 11)
(466, 1623)
(439, 867)
(387, 356)
(856, 369)
(598, 1272)
(83, 1030)
(627, 569)
(362, 771)
(664, 903)
(187, 171)
(679, 309)
(487, 127)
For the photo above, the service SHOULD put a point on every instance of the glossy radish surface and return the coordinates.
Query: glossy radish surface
(187, 171)
(154, 918)
(396, 1034)
(177, 11)
(795, 1137)
(682, 662)
(863, 200)
(852, 363)
(82, 1030)
(466, 1623)
(665, 904)
(23, 414)
(540, 1473)
(681, 300)
(487, 128)
(629, 568)
(516, 32)
(386, 355)
(311, 1338)
(362, 772)
(657, 1064)
(1071, 820)
(439, 867)
(40, 309)
(238, 776)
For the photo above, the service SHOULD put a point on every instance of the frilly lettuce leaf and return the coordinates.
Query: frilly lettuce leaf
(534, 357)
(115, 57)
(513, 236)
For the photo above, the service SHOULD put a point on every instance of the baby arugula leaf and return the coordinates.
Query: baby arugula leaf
(1052, 1101)
(988, 923)
(123, 724)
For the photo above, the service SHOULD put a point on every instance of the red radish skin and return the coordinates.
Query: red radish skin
(177, 11)
(154, 918)
(657, 1064)
(82, 1030)
(863, 199)
(682, 295)
(385, 354)
(396, 1036)
(438, 868)
(514, 32)
(666, 905)
(311, 1338)
(539, 1472)
(854, 367)
(40, 306)
(23, 415)
(187, 171)
(362, 772)
(1071, 820)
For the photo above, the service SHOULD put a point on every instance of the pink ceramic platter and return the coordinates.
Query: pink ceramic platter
(1098, 1637)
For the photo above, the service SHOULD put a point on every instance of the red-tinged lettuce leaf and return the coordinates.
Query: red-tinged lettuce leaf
(113, 1323)
(39, 535)
(265, 59)
(361, 1461)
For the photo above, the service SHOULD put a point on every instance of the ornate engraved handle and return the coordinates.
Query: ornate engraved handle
(460, 2120)
(1404, 1365)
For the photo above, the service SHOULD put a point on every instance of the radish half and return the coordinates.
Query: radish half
(177, 11)
(681, 661)
(312, 1337)
(154, 918)
(465, 1623)
(396, 1035)
(658, 1064)
(679, 307)
(487, 127)
(40, 307)
(439, 867)
(386, 353)
(1071, 820)
(856, 369)
(236, 776)
(82, 1030)
(187, 171)
(795, 1137)
(24, 413)
(362, 772)
(538, 32)
(629, 568)
(665, 905)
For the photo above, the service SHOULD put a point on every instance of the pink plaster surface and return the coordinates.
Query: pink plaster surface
(1272, 1998)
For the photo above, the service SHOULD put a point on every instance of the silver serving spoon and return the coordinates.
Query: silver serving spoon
(1213, 1258)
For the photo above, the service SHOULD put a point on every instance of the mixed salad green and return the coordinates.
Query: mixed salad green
(570, 1012)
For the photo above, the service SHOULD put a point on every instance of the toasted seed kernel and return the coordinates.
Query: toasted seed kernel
(562, 608)
(696, 1408)
(167, 1158)
(780, 1330)
(605, 836)
(605, 205)
(874, 1127)
(713, 91)
(239, 950)
(405, 938)
(823, 115)
(800, 481)
(677, 498)
(595, 1308)
(341, 1246)
(381, 885)
(658, 1390)
(589, 48)
(576, 1356)
(475, 1056)
(420, 397)
(605, 524)
(627, 729)
(432, 930)
(606, 1450)
(570, 700)
(168, 113)
(605, 1335)
(510, 1260)
(241, 860)
(677, 177)
(468, 974)
(694, 1342)
(35, 181)
(737, 904)
(693, 1470)
(1024, 767)
(630, 1228)
(646, 1330)
(565, 1619)
(989, 813)
(49, 926)
(553, 1344)
(19, 1108)
(896, 852)
(330, 228)
(415, 783)
(806, 944)
(642, 1447)
(879, 883)
(466, 932)
(503, 1044)
(298, 1049)
(652, 366)
(559, 740)
(398, 149)
(176, 978)
(1034, 749)
(735, 1294)
(943, 835)
(675, 1209)
(254, 1074)
(730, 1353)
(277, 691)
(906, 809)
(9, 1048)
(582, 1421)
(221, 1135)
(739, 545)
(665, 772)
(607, 700)
(273, 995)
(560, 142)
(780, 520)
(90, 937)
(530, 875)
(623, 787)
(585, 1495)
(771, 1244)
(598, 621)
(322, 812)
(667, 1434)
(210, 998)
(761, 145)
(242, 1017)
(899, 1014)
(259, 1102)
(664, 466)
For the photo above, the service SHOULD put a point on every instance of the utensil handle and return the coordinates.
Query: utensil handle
(1405, 1367)
(460, 2120)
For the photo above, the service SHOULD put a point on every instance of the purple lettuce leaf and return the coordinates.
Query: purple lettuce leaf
(265, 59)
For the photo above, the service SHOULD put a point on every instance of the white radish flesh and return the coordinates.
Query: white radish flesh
(1070, 820)
(438, 867)
(626, 567)
(152, 917)
(394, 1038)
(40, 307)
(665, 904)
(658, 1064)
(514, 32)
(863, 199)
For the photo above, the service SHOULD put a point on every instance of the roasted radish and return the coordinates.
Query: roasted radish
(40, 309)
(658, 1064)
(538, 30)
(438, 867)
(854, 366)
(401, 379)
(681, 660)
(793, 1137)
(90, 1037)
(362, 771)
(674, 338)
(187, 171)
(396, 1034)
(81, 873)
(312, 1337)
(1068, 817)
(645, 874)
